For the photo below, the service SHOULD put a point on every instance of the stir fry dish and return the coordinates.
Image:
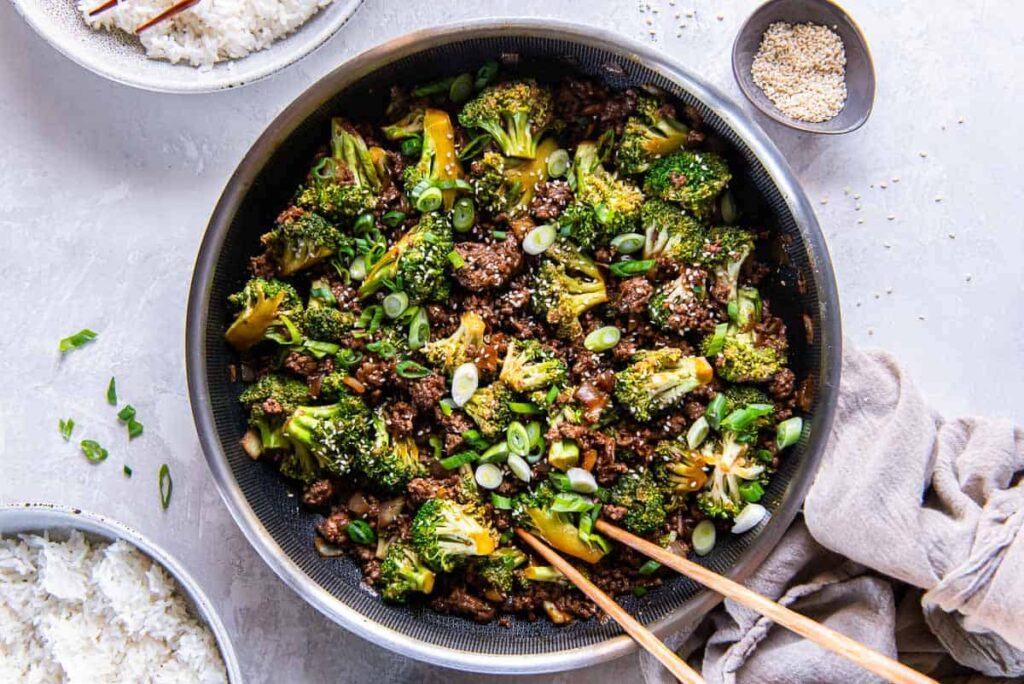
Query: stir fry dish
(510, 303)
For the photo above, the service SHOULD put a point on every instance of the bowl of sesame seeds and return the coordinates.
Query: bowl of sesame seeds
(805, 64)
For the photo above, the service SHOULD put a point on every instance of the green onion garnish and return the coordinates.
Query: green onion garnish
(536, 433)
(499, 234)
(649, 568)
(463, 215)
(392, 218)
(357, 269)
(75, 341)
(488, 476)
(627, 243)
(112, 392)
(715, 411)
(602, 339)
(751, 491)
(94, 453)
(630, 268)
(561, 481)
(456, 260)
(740, 419)
(348, 358)
(429, 200)
(485, 74)
(364, 223)
(474, 439)
(127, 413)
(323, 294)
(571, 502)
(166, 486)
(552, 395)
(517, 438)
(524, 408)
(66, 428)
(412, 147)
(788, 432)
(474, 146)
(411, 370)
(502, 503)
(438, 87)
(698, 432)
(558, 163)
(455, 460)
(539, 239)
(496, 453)
(419, 329)
(360, 532)
(126, 470)
(461, 88)
(134, 429)
(717, 341)
(446, 406)
(435, 444)
(395, 304)
(639, 592)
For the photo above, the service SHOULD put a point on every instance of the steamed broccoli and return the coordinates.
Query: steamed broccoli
(671, 232)
(303, 239)
(728, 248)
(390, 463)
(566, 285)
(744, 356)
(615, 204)
(738, 396)
(745, 310)
(460, 347)
(731, 467)
(489, 409)
(679, 470)
(333, 434)
(417, 261)
(676, 297)
(347, 183)
(402, 573)
(326, 324)
(530, 366)
(445, 533)
(515, 113)
(409, 126)
(506, 186)
(265, 311)
(498, 568)
(657, 380)
(638, 493)
(438, 161)
(692, 179)
(649, 136)
(533, 511)
(269, 400)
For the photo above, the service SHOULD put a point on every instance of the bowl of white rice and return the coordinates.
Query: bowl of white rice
(215, 44)
(86, 599)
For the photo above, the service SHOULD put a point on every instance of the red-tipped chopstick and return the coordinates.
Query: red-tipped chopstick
(103, 7)
(176, 8)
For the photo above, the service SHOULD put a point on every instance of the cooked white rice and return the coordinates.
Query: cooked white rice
(212, 31)
(76, 611)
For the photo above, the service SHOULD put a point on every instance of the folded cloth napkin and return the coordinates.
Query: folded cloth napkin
(911, 543)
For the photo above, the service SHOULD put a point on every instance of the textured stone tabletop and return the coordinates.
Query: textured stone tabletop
(105, 192)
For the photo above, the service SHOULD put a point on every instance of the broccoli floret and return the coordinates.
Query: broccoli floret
(532, 511)
(409, 126)
(738, 396)
(506, 186)
(489, 409)
(743, 357)
(728, 248)
(417, 261)
(345, 184)
(515, 113)
(745, 311)
(658, 380)
(302, 239)
(530, 366)
(649, 136)
(670, 231)
(566, 285)
(326, 324)
(438, 160)
(333, 434)
(281, 395)
(679, 471)
(730, 468)
(445, 533)
(265, 311)
(616, 204)
(677, 296)
(461, 346)
(498, 569)
(693, 179)
(402, 573)
(639, 494)
(390, 463)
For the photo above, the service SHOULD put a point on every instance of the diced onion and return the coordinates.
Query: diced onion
(357, 504)
(465, 381)
(539, 239)
(488, 476)
(748, 518)
(519, 467)
(697, 433)
(581, 481)
(389, 511)
(252, 445)
(326, 549)
(704, 537)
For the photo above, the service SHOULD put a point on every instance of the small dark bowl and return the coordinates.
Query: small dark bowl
(860, 71)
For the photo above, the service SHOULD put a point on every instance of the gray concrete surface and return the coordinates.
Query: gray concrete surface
(105, 191)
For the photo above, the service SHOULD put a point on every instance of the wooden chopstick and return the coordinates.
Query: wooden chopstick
(829, 639)
(176, 8)
(676, 665)
(103, 7)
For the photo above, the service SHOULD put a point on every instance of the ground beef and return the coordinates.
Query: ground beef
(454, 425)
(272, 407)
(333, 527)
(401, 417)
(422, 489)
(633, 295)
(488, 265)
(613, 512)
(301, 364)
(780, 387)
(462, 602)
(549, 200)
(319, 493)
(427, 392)
(374, 377)
(262, 266)
(606, 469)
(520, 227)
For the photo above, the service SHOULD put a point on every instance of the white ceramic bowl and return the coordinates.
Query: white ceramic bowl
(59, 521)
(121, 58)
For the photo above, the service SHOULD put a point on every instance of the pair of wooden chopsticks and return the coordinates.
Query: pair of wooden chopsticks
(176, 8)
(831, 640)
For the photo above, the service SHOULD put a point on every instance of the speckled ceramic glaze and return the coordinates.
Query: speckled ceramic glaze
(120, 57)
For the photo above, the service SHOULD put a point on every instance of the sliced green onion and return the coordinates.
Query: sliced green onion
(742, 418)
(571, 502)
(499, 234)
(360, 532)
(474, 439)
(649, 568)
(465, 381)
(788, 432)
(446, 406)
(393, 218)
(429, 200)
(463, 215)
(419, 330)
(518, 438)
(603, 213)
(364, 223)
(488, 476)
(127, 413)
(75, 341)
(630, 268)
(729, 208)
(627, 243)
(435, 444)
(166, 485)
(323, 294)
(639, 592)
(717, 342)
(66, 428)
(538, 240)
(474, 146)
(748, 518)
(524, 408)
(704, 537)
(357, 269)
(324, 169)
(438, 87)
(383, 348)
(94, 453)
(411, 370)
(112, 392)
(450, 184)
(586, 526)
(558, 163)
(561, 481)
(764, 455)
(581, 480)
(134, 429)
(602, 339)
(321, 349)
(126, 470)
(412, 147)
(519, 467)
(563, 454)
(456, 260)
(552, 394)
(751, 491)
(715, 411)
(395, 304)
(698, 432)
(461, 88)
(502, 503)
(496, 453)
(456, 460)
(485, 74)
(536, 433)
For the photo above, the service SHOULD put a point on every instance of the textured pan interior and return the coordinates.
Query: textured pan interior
(234, 237)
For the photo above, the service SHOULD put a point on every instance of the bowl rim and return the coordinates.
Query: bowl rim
(770, 110)
(35, 518)
(230, 78)
(288, 120)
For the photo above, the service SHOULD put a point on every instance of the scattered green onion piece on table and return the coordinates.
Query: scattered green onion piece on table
(127, 413)
(649, 568)
(357, 269)
(581, 480)
(456, 460)
(461, 88)
(751, 492)
(519, 467)
(456, 259)
(412, 147)
(524, 408)
(395, 304)
(625, 269)
(419, 330)
(488, 476)
(717, 341)
(704, 537)
(715, 411)
(742, 418)
(539, 239)
(602, 339)
(411, 370)
(360, 532)
(126, 470)
(502, 503)
(66, 428)
(788, 432)
(485, 74)
(393, 218)
(166, 485)
(134, 428)
(518, 438)
(499, 234)
(94, 453)
(429, 200)
(465, 381)
(698, 432)
(496, 453)
(112, 392)
(463, 215)
(627, 243)
(80, 338)
(558, 163)
(364, 223)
